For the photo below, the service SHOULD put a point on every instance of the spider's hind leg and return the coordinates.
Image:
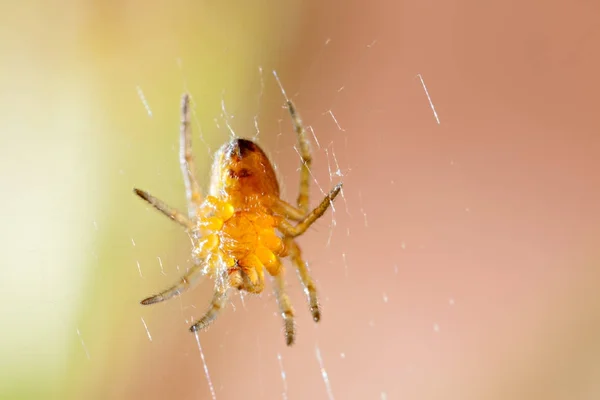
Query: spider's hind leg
(190, 279)
(285, 306)
(218, 302)
(307, 281)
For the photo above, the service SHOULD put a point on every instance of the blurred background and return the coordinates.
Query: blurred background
(461, 263)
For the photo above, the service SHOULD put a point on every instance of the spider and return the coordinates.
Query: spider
(234, 230)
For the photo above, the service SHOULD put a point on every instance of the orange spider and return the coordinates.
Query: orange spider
(234, 229)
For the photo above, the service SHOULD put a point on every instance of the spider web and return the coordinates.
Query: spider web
(333, 263)
(328, 169)
(333, 172)
(353, 333)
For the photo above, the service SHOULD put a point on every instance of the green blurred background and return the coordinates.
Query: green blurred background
(461, 262)
(75, 76)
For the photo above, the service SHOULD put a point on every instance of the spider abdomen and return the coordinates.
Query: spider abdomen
(242, 174)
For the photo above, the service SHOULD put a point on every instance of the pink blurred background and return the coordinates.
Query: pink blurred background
(462, 261)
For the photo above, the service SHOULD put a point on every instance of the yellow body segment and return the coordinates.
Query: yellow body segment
(244, 240)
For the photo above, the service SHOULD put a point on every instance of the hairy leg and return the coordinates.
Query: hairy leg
(190, 279)
(285, 306)
(186, 159)
(296, 230)
(305, 158)
(218, 302)
(304, 275)
(172, 213)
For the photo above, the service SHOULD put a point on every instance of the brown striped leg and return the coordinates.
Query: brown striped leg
(305, 158)
(217, 303)
(296, 230)
(285, 306)
(186, 159)
(305, 278)
(190, 279)
(172, 213)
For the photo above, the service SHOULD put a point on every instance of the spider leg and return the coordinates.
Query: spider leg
(304, 275)
(305, 156)
(285, 306)
(218, 302)
(165, 209)
(186, 159)
(190, 279)
(289, 211)
(296, 230)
